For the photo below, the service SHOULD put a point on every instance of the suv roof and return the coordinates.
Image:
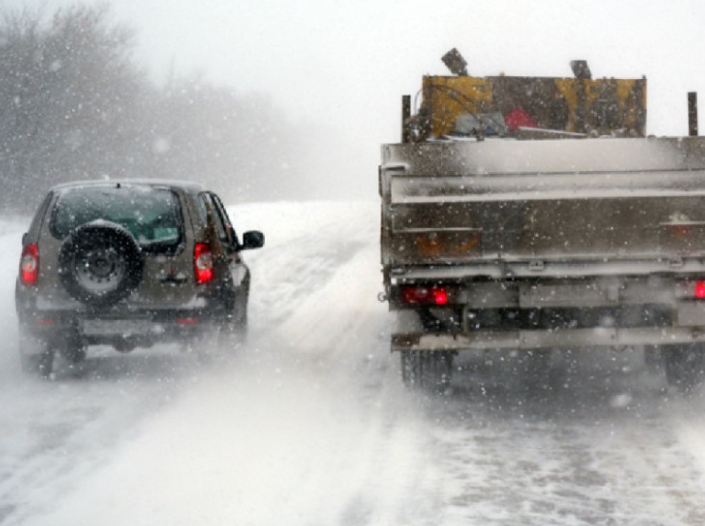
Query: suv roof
(187, 186)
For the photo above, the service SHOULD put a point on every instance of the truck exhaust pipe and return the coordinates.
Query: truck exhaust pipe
(693, 114)
(406, 118)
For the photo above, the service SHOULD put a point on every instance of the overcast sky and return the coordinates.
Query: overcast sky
(344, 64)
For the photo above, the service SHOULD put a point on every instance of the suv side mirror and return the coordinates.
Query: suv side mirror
(252, 239)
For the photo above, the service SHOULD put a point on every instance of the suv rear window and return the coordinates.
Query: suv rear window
(151, 214)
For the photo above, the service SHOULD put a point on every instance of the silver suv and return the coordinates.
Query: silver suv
(128, 264)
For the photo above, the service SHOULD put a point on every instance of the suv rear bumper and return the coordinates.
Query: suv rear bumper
(135, 329)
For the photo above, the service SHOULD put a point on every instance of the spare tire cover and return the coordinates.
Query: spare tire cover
(100, 263)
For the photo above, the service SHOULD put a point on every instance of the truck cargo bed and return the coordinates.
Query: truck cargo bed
(543, 202)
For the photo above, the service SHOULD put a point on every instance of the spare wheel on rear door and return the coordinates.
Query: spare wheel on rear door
(100, 263)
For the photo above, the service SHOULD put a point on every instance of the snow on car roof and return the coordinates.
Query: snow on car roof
(189, 186)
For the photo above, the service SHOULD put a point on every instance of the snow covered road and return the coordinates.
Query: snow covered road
(309, 423)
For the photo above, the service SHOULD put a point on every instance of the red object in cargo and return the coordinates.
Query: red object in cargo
(518, 118)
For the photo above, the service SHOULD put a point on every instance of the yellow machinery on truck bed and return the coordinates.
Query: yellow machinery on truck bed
(503, 105)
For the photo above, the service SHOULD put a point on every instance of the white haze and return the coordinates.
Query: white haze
(338, 69)
(309, 423)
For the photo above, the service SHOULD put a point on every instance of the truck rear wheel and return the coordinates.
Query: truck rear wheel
(427, 370)
(653, 358)
(539, 373)
(684, 366)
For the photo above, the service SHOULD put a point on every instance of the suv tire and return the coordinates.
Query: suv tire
(232, 332)
(35, 363)
(100, 263)
(71, 348)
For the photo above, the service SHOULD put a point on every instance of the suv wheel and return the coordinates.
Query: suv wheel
(36, 358)
(240, 316)
(100, 263)
(232, 332)
(38, 364)
(72, 348)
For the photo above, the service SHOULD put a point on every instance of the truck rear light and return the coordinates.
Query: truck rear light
(699, 290)
(29, 265)
(440, 296)
(693, 289)
(424, 295)
(203, 263)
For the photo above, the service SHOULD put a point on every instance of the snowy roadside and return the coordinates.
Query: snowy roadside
(11, 230)
(304, 409)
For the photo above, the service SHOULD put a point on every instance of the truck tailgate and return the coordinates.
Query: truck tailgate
(538, 206)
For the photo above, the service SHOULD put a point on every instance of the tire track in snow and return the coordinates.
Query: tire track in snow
(303, 257)
(304, 427)
(309, 424)
(57, 433)
(603, 451)
(48, 464)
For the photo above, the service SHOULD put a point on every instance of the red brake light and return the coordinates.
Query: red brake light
(424, 295)
(440, 296)
(203, 263)
(29, 265)
(700, 289)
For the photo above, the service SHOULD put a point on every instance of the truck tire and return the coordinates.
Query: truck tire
(427, 370)
(653, 358)
(684, 366)
(539, 373)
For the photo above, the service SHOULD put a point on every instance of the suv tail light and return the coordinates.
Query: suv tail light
(29, 265)
(203, 263)
(424, 295)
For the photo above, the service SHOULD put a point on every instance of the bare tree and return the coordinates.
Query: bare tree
(73, 105)
(240, 145)
(68, 97)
